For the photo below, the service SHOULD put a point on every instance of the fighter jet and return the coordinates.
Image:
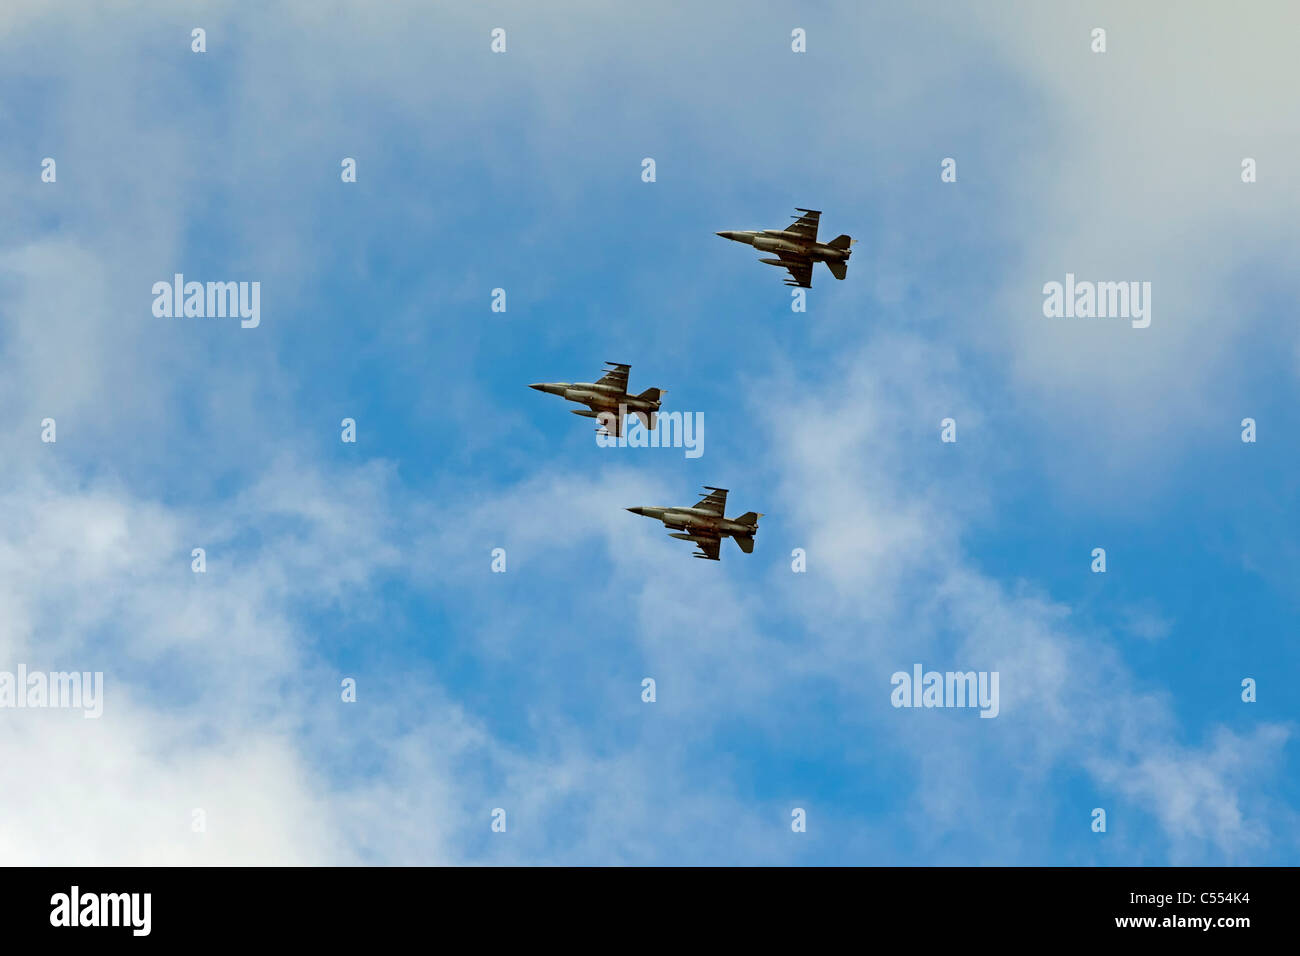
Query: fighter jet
(797, 248)
(608, 400)
(706, 524)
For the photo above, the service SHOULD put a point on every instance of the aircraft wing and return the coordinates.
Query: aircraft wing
(709, 549)
(801, 270)
(714, 502)
(805, 224)
(616, 376)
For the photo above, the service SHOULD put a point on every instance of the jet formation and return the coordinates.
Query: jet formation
(607, 400)
(797, 248)
(705, 523)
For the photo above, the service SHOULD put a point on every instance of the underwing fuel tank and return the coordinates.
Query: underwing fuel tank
(774, 262)
(584, 412)
(689, 537)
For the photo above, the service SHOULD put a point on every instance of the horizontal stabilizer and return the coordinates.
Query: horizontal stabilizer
(838, 269)
(749, 518)
(746, 542)
(840, 242)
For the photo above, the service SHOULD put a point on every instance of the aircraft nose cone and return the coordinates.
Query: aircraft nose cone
(637, 511)
(541, 386)
(725, 235)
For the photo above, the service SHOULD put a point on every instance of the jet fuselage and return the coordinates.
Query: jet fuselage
(776, 240)
(695, 519)
(595, 394)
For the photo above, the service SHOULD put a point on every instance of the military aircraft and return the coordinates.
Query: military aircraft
(797, 248)
(706, 523)
(608, 400)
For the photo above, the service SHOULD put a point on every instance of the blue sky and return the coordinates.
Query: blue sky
(522, 690)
